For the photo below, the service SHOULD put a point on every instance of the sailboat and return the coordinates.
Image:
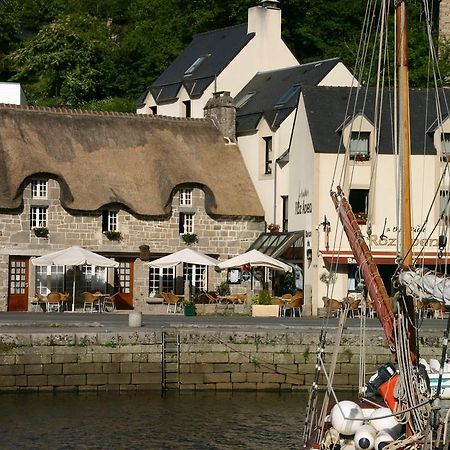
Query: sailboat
(397, 408)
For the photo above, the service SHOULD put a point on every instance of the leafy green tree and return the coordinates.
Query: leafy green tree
(66, 60)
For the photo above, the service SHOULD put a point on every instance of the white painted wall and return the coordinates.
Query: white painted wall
(12, 93)
(314, 174)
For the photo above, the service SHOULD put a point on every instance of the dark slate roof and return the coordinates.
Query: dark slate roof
(326, 111)
(221, 45)
(269, 87)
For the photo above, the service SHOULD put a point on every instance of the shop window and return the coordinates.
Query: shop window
(359, 199)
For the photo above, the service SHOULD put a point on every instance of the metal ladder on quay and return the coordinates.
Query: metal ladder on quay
(170, 360)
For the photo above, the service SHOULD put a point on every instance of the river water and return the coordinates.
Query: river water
(147, 420)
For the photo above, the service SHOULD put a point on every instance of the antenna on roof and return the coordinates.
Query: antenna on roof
(271, 4)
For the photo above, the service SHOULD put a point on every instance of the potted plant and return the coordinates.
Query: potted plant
(223, 289)
(41, 232)
(262, 305)
(273, 228)
(113, 235)
(189, 308)
(189, 238)
(361, 217)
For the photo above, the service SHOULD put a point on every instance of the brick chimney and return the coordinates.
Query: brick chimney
(221, 110)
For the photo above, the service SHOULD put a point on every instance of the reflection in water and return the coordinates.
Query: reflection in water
(145, 420)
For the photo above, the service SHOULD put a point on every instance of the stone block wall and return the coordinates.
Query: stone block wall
(221, 236)
(208, 360)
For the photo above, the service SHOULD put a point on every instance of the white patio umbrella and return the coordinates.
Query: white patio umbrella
(187, 255)
(255, 259)
(74, 256)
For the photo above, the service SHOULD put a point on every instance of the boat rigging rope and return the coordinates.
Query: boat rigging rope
(411, 394)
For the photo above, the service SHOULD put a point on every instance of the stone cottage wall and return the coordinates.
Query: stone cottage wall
(223, 237)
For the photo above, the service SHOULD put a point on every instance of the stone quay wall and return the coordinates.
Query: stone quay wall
(182, 359)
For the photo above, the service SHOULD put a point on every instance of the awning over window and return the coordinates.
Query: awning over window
(288, 246)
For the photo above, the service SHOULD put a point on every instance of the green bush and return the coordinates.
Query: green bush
(264, 298)
(223, 288)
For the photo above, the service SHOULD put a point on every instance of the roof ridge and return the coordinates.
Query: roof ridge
(219, 29)
(88, 112)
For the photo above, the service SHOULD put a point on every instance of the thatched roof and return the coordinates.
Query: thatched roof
(133, 160)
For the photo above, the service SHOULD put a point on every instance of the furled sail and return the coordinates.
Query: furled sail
(369, 271)
(426, 285)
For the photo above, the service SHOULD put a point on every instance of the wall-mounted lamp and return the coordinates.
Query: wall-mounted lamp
(309, 254)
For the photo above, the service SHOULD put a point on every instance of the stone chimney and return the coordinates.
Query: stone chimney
(444, 19)
(221, 110)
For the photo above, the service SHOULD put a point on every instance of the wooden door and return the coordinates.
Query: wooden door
(123, 284)
(18, 283)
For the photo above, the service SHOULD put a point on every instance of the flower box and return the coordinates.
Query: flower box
(41, 232)
(265, 310)
(113, 235)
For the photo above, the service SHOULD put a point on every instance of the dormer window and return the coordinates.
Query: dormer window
(287, 95)
(445, 146)
(359, 146)
(39, 188)
(185, 197)
(109, 220)
(195, 65)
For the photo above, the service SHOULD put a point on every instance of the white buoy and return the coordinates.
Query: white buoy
(382, 419)
(346, 417)
(383, 438)
(365, 437)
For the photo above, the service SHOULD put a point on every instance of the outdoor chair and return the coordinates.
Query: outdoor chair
(53, 302)
(332, 306)
(294, 306)
(90, 303)
(437, 309)
(278, 301)
(64, 301)
(38, 303)
(212, 298)
(172, 301)
(109, 303)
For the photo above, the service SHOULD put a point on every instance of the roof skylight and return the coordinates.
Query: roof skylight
(195, 65)
(287, 95)
(244, 100)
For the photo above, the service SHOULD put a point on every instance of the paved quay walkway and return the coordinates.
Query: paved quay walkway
(11, 322)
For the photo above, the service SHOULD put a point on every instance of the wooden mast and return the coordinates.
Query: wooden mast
(405, 151)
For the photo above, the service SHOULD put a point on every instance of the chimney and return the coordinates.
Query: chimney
(265, 19)
(221, 110)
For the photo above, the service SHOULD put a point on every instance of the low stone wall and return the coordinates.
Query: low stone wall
(185, 359)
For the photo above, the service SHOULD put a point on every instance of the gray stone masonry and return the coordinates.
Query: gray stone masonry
(225, 237)
(209, 359)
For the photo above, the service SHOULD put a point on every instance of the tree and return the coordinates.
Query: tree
(66, 60)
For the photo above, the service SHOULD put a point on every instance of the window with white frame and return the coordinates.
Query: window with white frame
(186, 223)
(197, 276)
(359, 145)
(110, 220)
(39, 188)
(161, 279)
(38, 217)
(49, 279)
(268, 155)
(445, 146)
(185, 197)
(93, 278)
